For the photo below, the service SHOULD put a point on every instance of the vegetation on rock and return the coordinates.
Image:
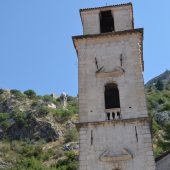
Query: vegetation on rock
(158, 102)
(33, 134)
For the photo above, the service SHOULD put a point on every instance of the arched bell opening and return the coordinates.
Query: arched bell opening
(106, 21)
(112, 102)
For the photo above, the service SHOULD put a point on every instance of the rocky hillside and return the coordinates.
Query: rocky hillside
(158, 101)
(37, 132)
(160, 82)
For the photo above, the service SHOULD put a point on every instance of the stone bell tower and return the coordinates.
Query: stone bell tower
(114, 127)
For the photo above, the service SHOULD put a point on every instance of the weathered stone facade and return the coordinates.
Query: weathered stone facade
(118, 137)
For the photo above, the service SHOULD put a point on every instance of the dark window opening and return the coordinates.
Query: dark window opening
(111, 96)
(106, 22)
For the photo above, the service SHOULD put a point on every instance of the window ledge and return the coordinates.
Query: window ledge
(112, 110)
(121, 121)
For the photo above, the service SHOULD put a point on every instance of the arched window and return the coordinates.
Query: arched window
(111, 96)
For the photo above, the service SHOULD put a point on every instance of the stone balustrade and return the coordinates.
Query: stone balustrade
(113, 114)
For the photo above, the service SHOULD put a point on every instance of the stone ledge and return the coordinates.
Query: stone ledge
(89, 36)
(114, 122)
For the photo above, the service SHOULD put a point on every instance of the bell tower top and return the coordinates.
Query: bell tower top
(107, 19)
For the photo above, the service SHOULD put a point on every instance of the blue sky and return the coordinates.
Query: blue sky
(36, 49)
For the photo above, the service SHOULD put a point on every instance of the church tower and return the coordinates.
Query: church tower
(114, 128)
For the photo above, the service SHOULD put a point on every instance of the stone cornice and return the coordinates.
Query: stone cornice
(113, 122)
(109, 34)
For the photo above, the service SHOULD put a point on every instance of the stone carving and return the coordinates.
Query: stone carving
(110, 156)
(116, 72)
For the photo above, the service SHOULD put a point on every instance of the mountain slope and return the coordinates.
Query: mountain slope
(164, 78)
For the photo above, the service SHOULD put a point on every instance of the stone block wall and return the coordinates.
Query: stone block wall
(123, 19)
(113, 137)
(107, 50)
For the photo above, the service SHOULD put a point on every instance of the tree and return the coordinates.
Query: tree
(30, 93)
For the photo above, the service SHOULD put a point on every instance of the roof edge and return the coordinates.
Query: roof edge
(109, 6)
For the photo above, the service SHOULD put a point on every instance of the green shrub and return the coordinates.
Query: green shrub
(36, 104)
(44, 110)
(29, 164)
(58, 153)
(72, 166)
(71, 156)
(5, 147)
(166, 94)
(30, 93)
(165, 142)
(48, 98)
(18, 94)
(70, 98)
(158, 151)
(21, 119)
(1, 91)
(5, 124)
(159, 85)
(62, 114)
(45, 155)
(72, 104)
(73, 107)
(165, 106)
(161, 101)
(70, 163)
(155, 127)
(15, 91)
(71, 135)
(32, 151)
(16, 146)
(4, 116)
